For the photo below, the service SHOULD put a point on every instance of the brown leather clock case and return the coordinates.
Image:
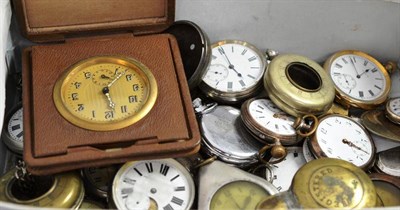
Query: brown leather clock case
(52, 144)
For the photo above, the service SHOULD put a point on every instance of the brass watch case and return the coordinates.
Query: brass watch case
(298, 85)
(333, 183)
(234, 96)
(141, 70)
(347, 101)
(67, 191)
(389, 113)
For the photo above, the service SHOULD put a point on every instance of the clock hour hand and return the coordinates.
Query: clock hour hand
(351, 144)
(366, 71)
(106, 92)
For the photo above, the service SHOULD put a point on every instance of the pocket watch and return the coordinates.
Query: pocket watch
(152, 184)
(61, 191)
(360, 80)
(224, 135)
(13, 133)
(298, 85)
(97, 180)
(225, 187)
(308, 155)
(281, 174)
(235, 72)
(387, 189)
(388, 162)
(195, 49)
(343, 138)
(326, 183)
(105, 93)
(377, 123)
(392, 110)
(269, 124)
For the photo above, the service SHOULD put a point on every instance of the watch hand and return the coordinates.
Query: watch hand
(106, 92)
(104, 76)
(355, 69)
(367, 70)
(246, 202)
(351, 144)
(115, 79)
(231, 66)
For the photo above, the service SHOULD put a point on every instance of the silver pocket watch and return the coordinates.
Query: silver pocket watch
(13, 133)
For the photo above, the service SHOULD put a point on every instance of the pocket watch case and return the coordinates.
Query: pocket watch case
(52, 143)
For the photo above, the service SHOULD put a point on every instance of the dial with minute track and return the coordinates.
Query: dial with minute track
(244, 66)
(343, 138)
(164, 182)
(271, 117)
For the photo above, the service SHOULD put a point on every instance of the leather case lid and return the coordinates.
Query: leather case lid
(54, 20)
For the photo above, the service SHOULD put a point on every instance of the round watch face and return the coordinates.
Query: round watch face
(15, 126)
(238, 195)
(105, 93)
(165, 184)
(343, 138)
(393, 110)
(358, 78)
(235, 71)
(282, 173)
(269, 116)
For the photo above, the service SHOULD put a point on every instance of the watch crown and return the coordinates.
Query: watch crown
(271, 54)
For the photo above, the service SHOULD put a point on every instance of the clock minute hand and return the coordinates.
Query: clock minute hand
(351, 144)
(231, 66)
(115, 79)
(355, 69)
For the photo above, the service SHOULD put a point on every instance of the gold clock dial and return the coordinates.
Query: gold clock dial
(105, 93)
(238, 195)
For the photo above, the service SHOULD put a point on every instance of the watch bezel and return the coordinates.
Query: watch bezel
(393, 117)
(6, 136)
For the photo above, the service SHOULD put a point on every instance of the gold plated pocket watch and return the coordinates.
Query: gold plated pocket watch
(235, 72)
(392, 110)
(360, 80)
(62, 190)
(298, 85)
(226, 187)
(105, 93)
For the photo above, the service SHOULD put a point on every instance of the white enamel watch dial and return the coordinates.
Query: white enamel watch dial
(268, 122)
(359, 79)
(13, 131)
(164, 183)
(393, 110)
(282, 173)
(235, 71)
(343, 138)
